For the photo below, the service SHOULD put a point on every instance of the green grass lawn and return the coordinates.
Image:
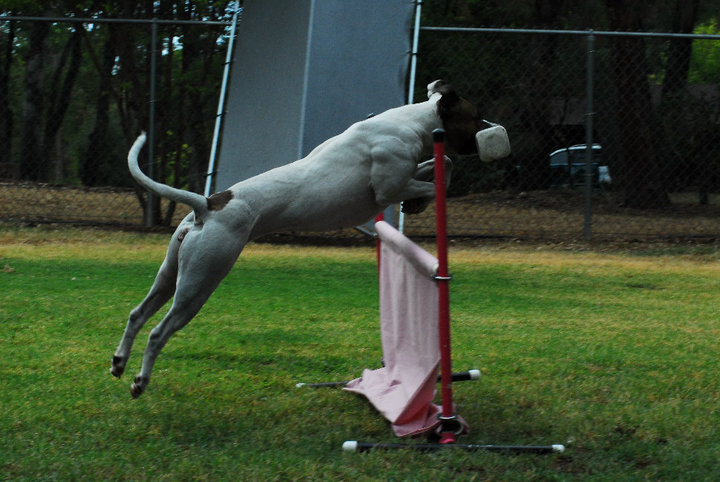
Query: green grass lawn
(614, 354)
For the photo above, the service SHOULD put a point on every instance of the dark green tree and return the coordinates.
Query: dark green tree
(98, 74)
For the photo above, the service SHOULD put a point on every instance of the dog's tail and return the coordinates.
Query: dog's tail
(197, 202)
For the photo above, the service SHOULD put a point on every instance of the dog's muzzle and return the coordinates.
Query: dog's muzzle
(492, 143)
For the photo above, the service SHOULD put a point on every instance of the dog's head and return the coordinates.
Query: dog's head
(465, 130)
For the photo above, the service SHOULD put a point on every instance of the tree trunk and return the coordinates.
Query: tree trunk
(6, 114)
(33, 165)
(134, 97)
(674, 90)
(680, 49)
(96, 154)
(59, 100)
(197, 133)
(639, 172)
(536, 173)
(541, 56)
(167, 95)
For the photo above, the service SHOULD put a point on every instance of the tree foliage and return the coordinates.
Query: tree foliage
(77, 93)
(705, 59)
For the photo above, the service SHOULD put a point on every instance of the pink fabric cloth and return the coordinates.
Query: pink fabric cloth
(404, 389)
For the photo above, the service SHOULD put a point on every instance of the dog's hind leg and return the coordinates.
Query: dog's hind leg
(162, 290)
(205, 259)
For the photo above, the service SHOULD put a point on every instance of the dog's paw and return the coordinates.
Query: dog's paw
(138, 386)
(118, 366)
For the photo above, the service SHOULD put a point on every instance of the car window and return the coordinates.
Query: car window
(559, 158)
(579, 155)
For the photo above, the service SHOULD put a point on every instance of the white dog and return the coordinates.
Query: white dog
(343, 182)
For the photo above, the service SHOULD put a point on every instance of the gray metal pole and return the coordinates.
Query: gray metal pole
(210, 176)
(589, 115)
(414, 52)
(149, 208)
(411, 81)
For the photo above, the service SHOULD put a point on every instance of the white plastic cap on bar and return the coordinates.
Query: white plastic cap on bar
(474, 374)
(349, 446)
(558, 448)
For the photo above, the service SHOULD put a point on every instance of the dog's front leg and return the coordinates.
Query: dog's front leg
(391, 178)
(426, 172)
(411, 190)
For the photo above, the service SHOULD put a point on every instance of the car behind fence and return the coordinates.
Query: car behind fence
(77, 92)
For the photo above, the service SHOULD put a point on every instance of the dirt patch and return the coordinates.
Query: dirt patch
(560, 215)
(43, 203)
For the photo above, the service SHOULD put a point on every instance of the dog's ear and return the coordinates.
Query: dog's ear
(449, 99)
(438, 87)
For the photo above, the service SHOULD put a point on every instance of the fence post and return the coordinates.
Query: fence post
(589, 115)
(411, 81)
(210, 176)
(150, 207)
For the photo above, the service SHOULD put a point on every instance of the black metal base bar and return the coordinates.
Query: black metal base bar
(354, 446)
(456, 377)
(321, 384)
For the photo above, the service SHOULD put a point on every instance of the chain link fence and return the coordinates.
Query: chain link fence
(77, 93)
(653, 121)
